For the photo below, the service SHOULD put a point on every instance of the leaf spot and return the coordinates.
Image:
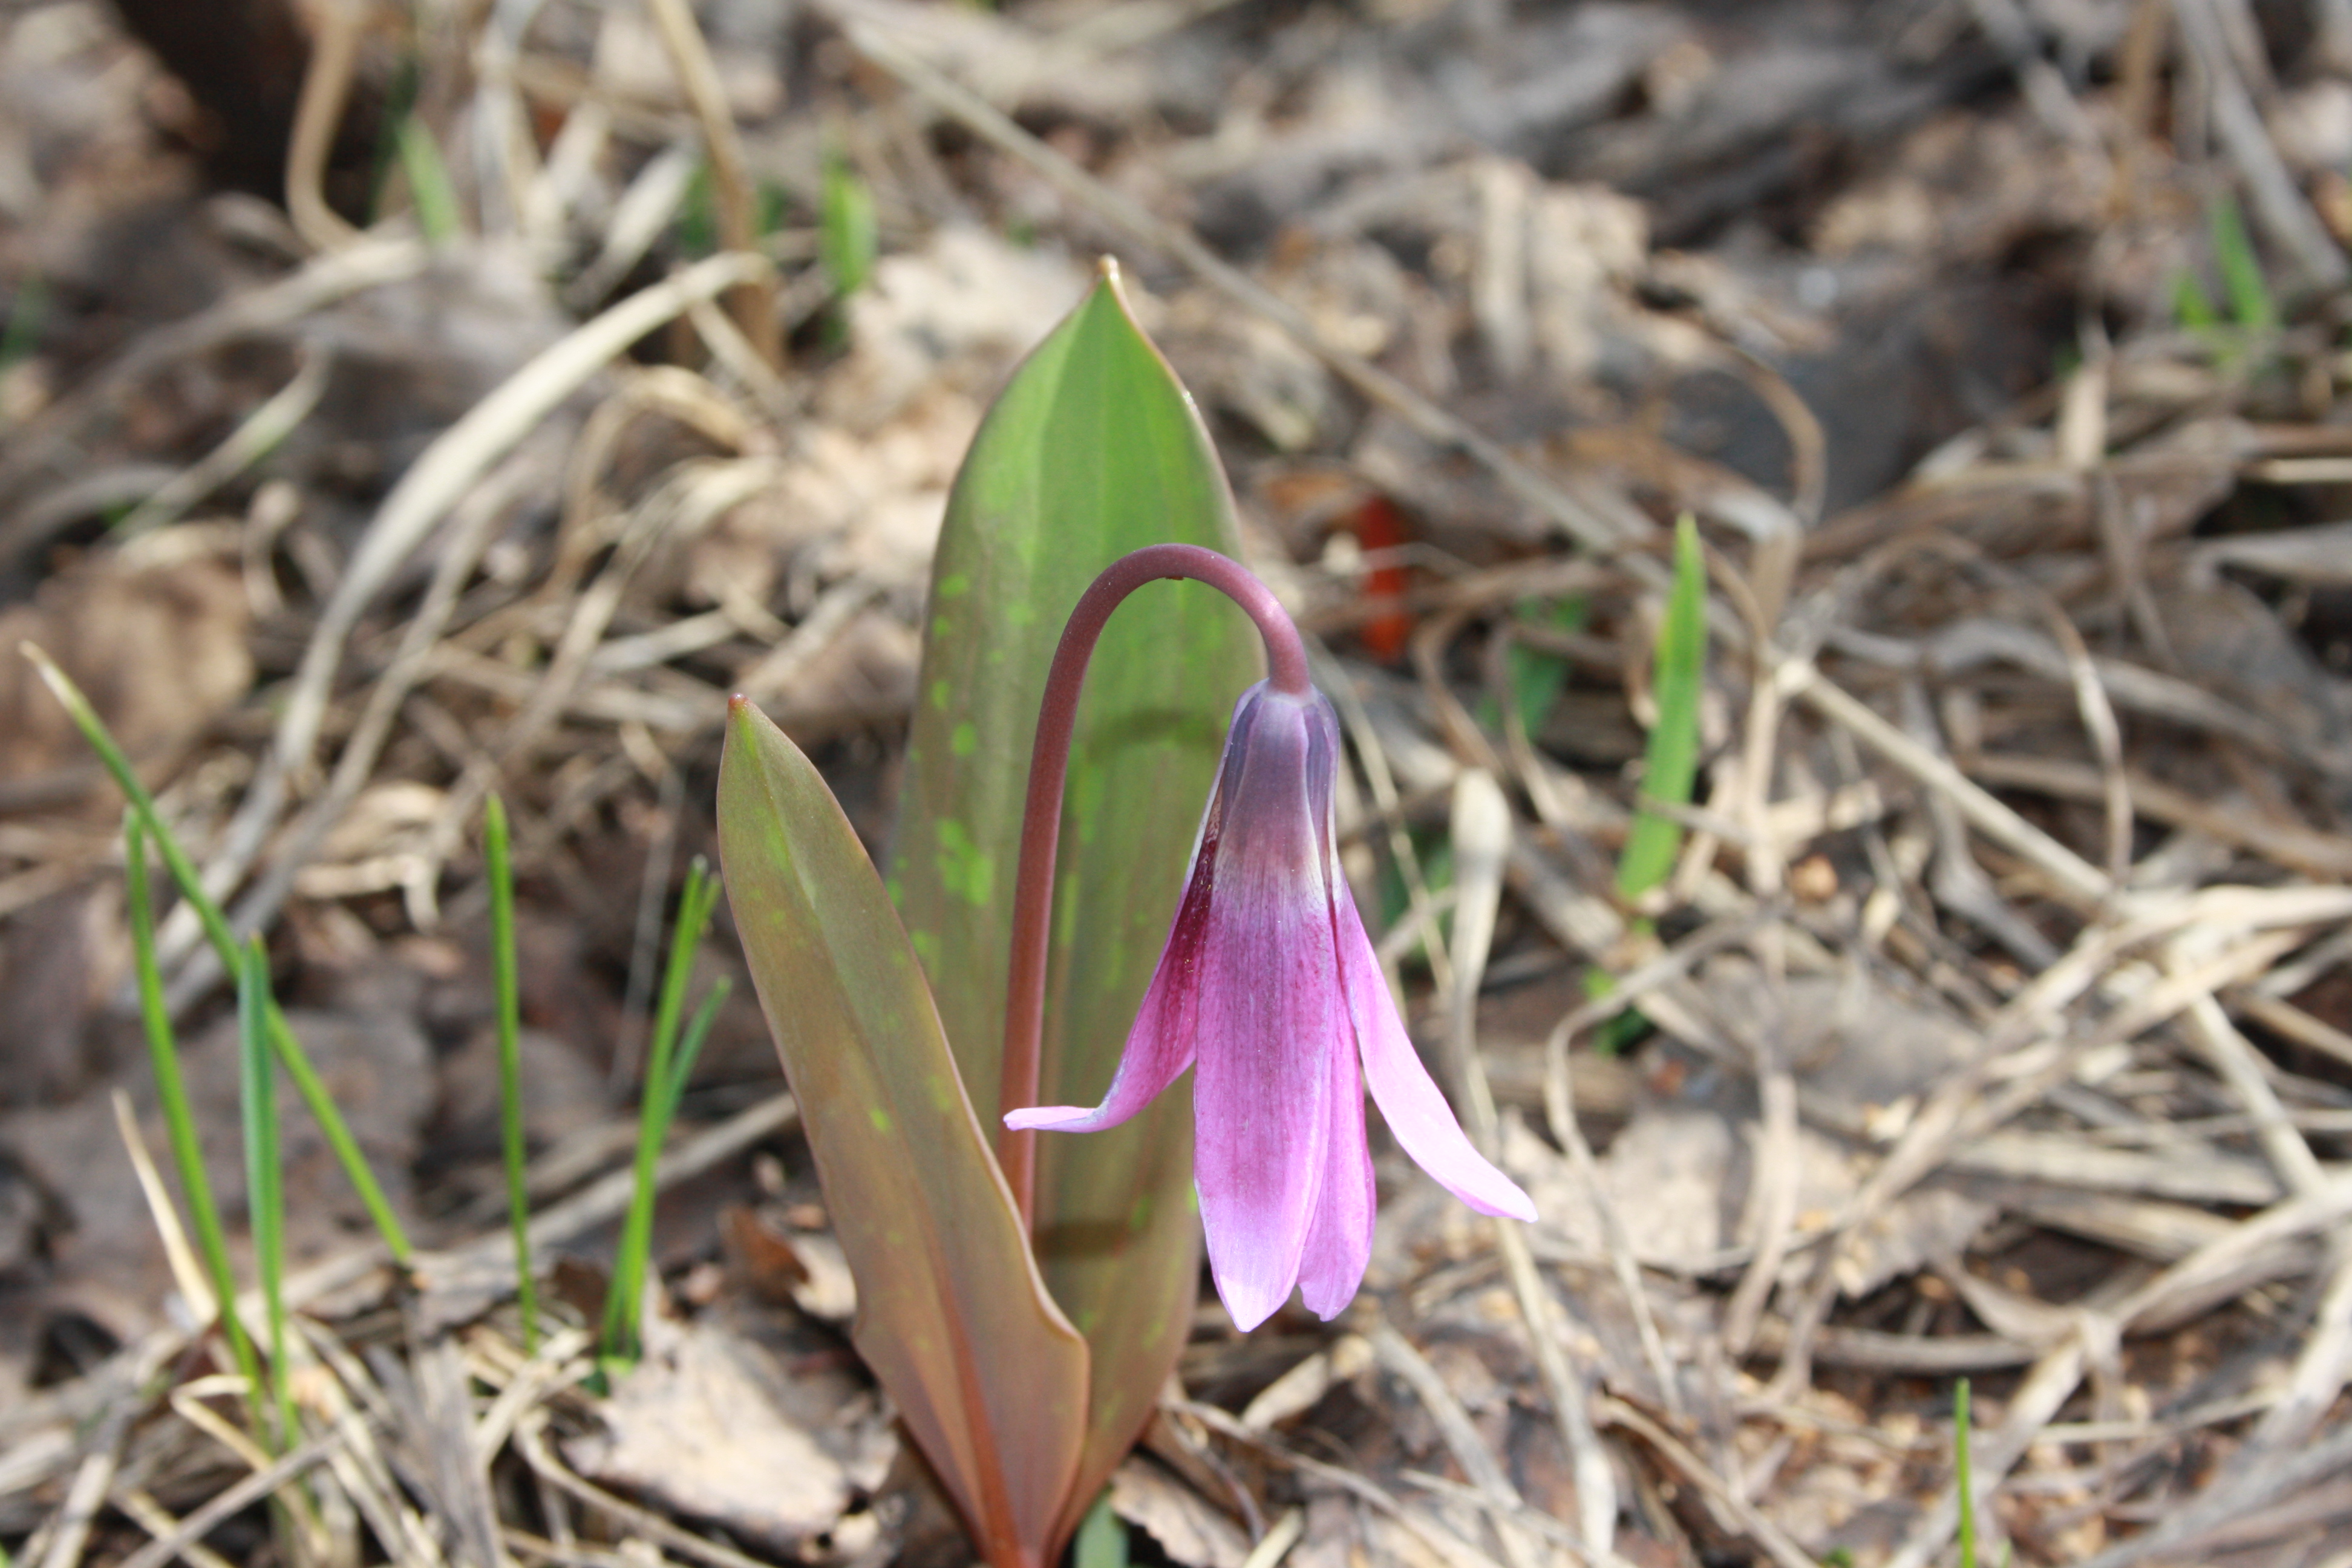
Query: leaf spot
(966, 871)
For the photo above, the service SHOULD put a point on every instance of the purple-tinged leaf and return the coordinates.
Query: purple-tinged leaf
(952, 1314)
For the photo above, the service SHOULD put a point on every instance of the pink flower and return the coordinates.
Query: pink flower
(1268, 984)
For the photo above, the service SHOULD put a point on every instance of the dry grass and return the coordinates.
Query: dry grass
(2001, 1029)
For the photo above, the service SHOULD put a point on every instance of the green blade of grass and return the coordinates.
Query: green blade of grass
(264, 1170)
(2193, 307)
(846, 241)
(2251, 305)
(512, 1146)
(179, 1117)
(27, 315)
(689, 1046)
(297, 1062)
(1672, 761)
(1534, 677)
(438, 215)
(1961, 1476)
(624, 1301)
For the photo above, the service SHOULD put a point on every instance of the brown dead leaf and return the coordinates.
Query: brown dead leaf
(1187, 1528)
(160, 650)
(694, 1428)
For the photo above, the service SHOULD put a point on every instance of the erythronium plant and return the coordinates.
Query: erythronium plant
(1023, 1300)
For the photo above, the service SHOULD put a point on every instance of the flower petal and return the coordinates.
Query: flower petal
(1339, 1241)
(1159, 1045)
(1409, 1099)
(1271, 1015)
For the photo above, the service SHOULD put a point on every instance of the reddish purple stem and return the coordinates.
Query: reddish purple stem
(1049, 767)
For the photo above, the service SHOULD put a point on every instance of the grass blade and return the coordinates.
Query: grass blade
(28, 316)
(1961, 1478)
(179, 1117)
(665, 1082)
(438, 216)
(846, 242)
(2251, 308)
(513, 1149)
(1672, 763)
(689, 1046)
(264, 1170)
(290, 1055)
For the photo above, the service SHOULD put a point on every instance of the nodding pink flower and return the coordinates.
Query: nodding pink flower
(1269, 986)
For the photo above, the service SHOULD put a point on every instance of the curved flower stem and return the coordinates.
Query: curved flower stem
(1049, 766)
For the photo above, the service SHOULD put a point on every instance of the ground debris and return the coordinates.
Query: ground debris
(1994, 1021)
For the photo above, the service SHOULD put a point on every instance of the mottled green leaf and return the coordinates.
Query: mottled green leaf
(1093, 450)
(951, 1314)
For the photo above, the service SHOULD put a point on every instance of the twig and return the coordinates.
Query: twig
(736, 201)
(1448, 1547)
(422, 498)
(1782, 1551)
(1461, 1439)
(231, 1500)
(254, 438)
(2083, 883)
(1590, 528)
(2277, 204)
(1559, 1109)
(1482, 833)
(530, 1441)
(477, 516)
(317, 116)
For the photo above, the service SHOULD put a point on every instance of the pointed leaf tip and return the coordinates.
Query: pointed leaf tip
(1093, 450)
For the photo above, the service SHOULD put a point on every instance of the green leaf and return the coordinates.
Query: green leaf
(1093, 450)
(951, 1314)
(439, 212)
(290, 1055)
(178, 1114)
(506, 988)
(28, 316)
(1102, 1540)
(846, 242)
(1672, 761)
(264, 1176)
(1961, 1476)
(2193, 307)
(667, 1065)
(2250, 306)
(1536, 678)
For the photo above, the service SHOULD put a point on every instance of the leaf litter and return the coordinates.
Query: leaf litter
(1992, 1020)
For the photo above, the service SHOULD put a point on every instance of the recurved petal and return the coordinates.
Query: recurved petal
(1340, 1239)
(1270, 1015)
(1409, 1099)
(1161, 1045)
